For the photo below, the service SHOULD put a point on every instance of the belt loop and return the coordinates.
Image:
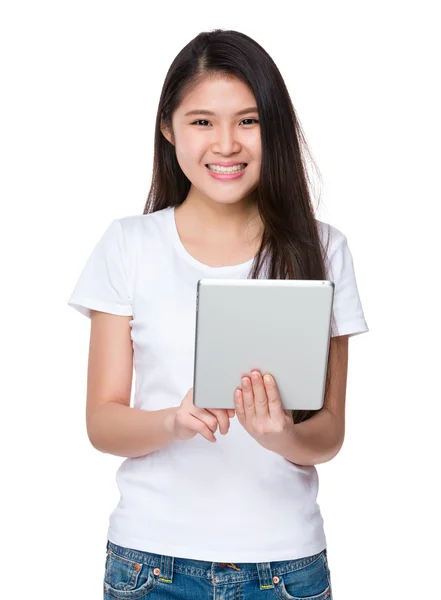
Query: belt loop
(166, 566)
(265, 575)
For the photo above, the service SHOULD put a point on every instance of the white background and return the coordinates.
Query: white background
(80, 87)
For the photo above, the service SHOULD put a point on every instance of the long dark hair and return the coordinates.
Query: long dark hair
(291, 246)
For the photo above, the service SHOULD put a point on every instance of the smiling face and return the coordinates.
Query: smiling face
(222, 137)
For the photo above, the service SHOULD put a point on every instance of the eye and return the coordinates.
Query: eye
(205, 121)
(200, 121)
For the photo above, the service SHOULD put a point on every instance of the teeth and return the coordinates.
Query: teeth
(233, 169)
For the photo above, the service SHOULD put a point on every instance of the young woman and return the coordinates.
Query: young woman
(201, 517)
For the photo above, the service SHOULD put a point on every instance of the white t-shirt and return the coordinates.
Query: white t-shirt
(229, 501)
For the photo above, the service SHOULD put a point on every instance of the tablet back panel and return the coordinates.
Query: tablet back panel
(277, 326)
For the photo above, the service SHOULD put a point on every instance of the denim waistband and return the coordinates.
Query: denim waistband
(229, 572)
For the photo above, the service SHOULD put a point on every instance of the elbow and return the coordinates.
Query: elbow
(338, 437)
(93, 427)
(97, 445)
(93, 440)
(332, 450)
(337, 447)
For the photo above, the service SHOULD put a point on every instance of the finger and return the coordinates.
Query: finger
(206, 432)
(238, 403)
(248, 399)
(201, 426)
(205, 416)
(222, 418)
(260, 399)
(275, 406)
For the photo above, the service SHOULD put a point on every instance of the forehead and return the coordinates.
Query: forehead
(221, 95)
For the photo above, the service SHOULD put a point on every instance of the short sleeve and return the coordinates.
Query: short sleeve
(347, 308)
(103, 282)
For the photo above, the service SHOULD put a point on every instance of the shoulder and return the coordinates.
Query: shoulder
(133, 225)
(331, 238)
(151, 220)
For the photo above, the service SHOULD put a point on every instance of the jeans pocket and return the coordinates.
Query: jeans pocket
(125, 578)
(325, 557)
(308, 583)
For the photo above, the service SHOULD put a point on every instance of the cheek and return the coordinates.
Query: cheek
(190, 151)
(256, 148)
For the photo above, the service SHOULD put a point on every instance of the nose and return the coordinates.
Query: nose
(226, 141)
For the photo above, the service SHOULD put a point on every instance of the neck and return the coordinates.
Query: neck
(220, 220)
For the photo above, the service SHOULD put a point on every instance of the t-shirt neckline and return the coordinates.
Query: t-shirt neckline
(183, 252)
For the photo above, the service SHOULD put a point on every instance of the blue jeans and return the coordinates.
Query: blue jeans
(133, 575)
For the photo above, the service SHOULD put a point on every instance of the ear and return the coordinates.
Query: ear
(167, 134)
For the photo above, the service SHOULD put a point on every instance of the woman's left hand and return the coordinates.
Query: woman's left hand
(260, 411)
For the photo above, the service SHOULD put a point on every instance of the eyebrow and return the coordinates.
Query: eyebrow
(200, 111)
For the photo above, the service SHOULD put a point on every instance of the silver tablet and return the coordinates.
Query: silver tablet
(277, 326)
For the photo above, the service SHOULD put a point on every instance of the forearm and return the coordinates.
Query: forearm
(314, 441)
(130, 432)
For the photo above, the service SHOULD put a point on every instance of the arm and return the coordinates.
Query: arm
(314, 441)
(126, 431)
(321, 437)
(113, 426)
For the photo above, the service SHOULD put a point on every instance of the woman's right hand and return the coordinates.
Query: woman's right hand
(189, 420)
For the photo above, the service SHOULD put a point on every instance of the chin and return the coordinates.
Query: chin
(228, 201)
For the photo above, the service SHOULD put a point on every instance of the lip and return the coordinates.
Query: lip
(226, 176)
(230, 163)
